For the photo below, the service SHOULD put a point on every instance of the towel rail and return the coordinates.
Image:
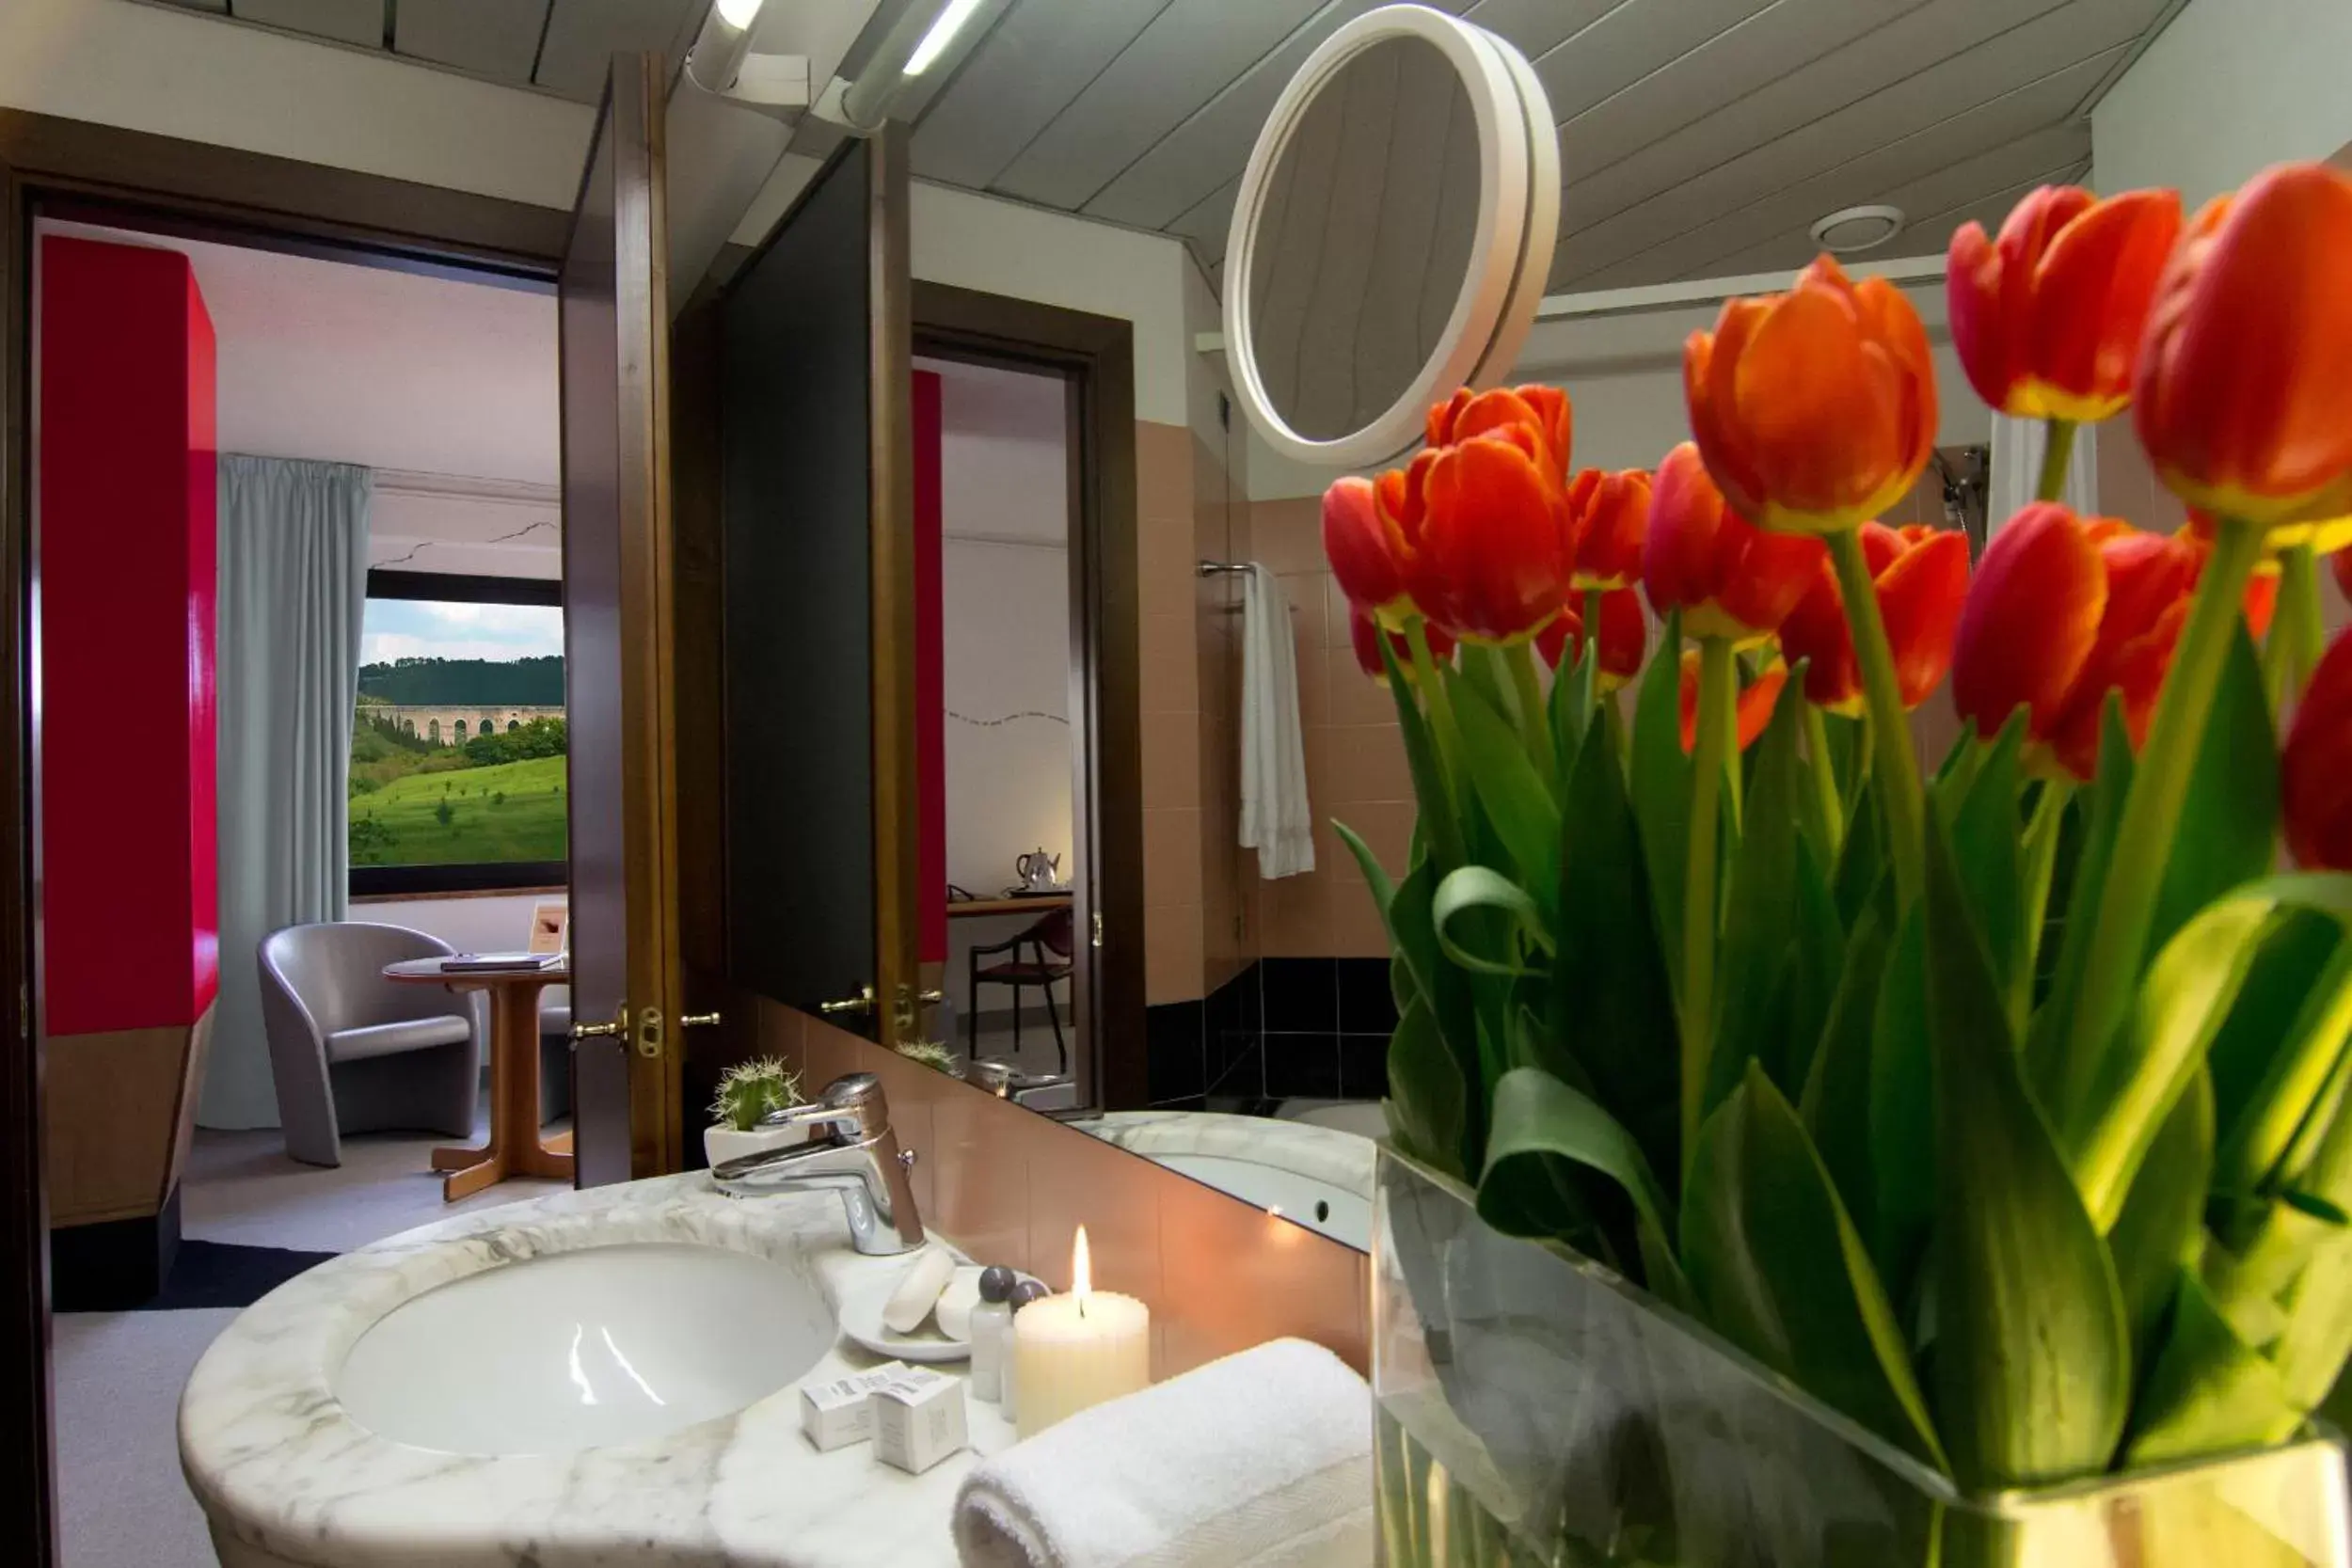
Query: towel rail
(1216, 568)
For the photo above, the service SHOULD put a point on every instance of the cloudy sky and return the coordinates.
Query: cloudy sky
(425, 628)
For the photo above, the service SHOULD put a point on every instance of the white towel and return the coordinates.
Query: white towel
(1263, 1459)
(1275, 819)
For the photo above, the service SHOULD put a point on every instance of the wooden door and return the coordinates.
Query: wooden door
(618, 635)
(817, 523)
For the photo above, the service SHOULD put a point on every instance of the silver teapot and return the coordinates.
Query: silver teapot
(1039, 872)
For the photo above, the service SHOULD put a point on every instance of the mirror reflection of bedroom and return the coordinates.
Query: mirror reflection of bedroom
(993, 483)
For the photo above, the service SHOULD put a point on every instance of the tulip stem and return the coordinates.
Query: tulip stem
(1890, 729)
(1432, 687)
(1591, 638)
(2151, 809)
(2299, 618)
(1825, 802)
(1718, 699)
(1535, 733)
(2057, 450)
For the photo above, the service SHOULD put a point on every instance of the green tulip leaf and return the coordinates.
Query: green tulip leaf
(1780, 1270)
(1427, 1098)
(2032, 1367)
(2160, 1229)
(2228, 828)
(1903, 1109)
(1428, 768)
(1477, 888)
(1611, 1002)
(2311, 1350)
(2251, 1111)
(1837, 1101)
(1862, 874)
(1517, 800)
(2278, 1113)
(2046, 1064)
(1983, 812)
(2208, 1392)
(1661, 786)
(1377, 880)
(1413, 932)
(1537, 1120)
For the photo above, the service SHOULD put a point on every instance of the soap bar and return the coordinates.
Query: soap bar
(918, 1291)
(839, 1413)
(957, 1301)
(919, 1419)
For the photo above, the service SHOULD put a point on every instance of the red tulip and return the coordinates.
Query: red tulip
(1624, 636)
(1815, 408)
(2062, 613)
(1543, 411)
(1921, 575)
(1364, 633)
(2244, 402)
(1487, 541)
(2048, 318)
(1611, 514)
(1728, 577)
(2316, 762)
(1366, 554)
(1753, 707)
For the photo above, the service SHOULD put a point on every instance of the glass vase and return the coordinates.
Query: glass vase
(1536, 1410)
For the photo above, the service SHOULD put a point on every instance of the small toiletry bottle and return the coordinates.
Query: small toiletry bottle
(1022, 1294)
(992, 1325)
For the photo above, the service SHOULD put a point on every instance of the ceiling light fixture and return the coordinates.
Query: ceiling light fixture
(942, 32)
(1851, 230)
(740, 14)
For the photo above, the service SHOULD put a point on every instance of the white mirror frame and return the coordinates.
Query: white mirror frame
(1517, 222)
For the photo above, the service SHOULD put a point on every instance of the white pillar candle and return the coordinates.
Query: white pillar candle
(1073, 1351)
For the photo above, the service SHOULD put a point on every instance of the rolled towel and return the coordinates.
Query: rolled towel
(1263, 1459)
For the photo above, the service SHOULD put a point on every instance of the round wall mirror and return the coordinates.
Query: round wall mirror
(1393, 234)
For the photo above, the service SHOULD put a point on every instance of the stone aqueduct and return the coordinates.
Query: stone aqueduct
(447, 725)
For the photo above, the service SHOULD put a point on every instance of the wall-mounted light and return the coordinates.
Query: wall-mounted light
(942, 33)
(917, 39)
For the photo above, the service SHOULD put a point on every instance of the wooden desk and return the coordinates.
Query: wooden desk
(513, 1149)
(978, 908)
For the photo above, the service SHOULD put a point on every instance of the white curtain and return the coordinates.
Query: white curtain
(2017, 448)
(293, 586)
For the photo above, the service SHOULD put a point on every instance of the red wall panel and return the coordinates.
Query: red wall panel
(126, 530)
(931, 740)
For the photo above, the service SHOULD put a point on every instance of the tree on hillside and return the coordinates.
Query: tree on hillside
(537, 682)
(540, 737)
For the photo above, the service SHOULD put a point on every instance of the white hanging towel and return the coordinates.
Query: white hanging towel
(1275, 819)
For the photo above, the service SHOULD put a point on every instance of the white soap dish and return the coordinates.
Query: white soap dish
(861, 1321)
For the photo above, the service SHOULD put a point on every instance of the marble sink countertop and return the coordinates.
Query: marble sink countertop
(1325, 1154)
(287, 1477)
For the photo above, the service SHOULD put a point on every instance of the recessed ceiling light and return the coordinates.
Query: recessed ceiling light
(1853, 228)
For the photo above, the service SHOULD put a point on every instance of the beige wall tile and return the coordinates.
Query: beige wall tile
(1251, 1277)
(1294, 916)
(1361, 762)
(1171, 857)
(1171, 765)
(1171, 953)
(1163, 472)
(1170, 680)
(1287, 535)
(1352, 697)
(980, 1176)
(1075, 1180)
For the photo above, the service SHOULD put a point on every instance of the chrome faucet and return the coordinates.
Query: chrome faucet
(859, 1157)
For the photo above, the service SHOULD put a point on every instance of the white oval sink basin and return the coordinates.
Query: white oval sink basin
(580, 1350)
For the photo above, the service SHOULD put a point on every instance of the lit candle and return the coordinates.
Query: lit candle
(1073, 1351)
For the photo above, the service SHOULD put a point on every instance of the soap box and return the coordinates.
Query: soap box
(835, 1414)
(919, 1419)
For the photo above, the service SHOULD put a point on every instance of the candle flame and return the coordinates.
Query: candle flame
(1081, 1269)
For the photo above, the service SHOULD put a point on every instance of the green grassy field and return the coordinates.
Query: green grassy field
(512, 812)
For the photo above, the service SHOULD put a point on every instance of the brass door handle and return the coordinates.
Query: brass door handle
(698, 1021)
(862, 1003)
(603, 1030)
(931, 998)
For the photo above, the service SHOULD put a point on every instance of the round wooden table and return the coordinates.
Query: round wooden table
(514, 1147)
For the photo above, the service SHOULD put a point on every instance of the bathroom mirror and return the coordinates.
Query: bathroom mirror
(1393, 234)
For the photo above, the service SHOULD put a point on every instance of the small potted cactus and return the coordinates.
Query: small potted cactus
(747, 1092)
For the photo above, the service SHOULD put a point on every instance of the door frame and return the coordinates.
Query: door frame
(197, 187)
(1095, 355)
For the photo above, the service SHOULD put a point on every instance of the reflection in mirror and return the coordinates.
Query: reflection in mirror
(1364, 239)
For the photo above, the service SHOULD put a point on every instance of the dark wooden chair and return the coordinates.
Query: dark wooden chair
(1049, 943)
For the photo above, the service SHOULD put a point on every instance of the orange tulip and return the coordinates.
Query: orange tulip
(1921, 576)
(2243, 400)
(1611, 514)
(2062, 613)
(1815, 408)
(1753, 708)
(1729, 577)
(2316, 761)
(2048, 318)
(1543, 411)
(1365, 553)
(1623, 634)
(1485, 540)
(1365, 634)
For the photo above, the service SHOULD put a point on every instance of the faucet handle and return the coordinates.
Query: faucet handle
(854, 1099)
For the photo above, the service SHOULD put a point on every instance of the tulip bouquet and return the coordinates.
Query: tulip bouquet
(2006, 1110)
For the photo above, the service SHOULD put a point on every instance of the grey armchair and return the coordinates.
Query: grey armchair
(352, 1052)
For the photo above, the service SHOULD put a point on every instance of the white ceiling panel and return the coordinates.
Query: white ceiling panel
(1190, 50)
(1200, 154)
(1039, 56)
(1206, 224)
(1864, 177)
(1901, 109)
(359, 22)
(583, 37)
(202, 5)
(1539, 26)
(490, 38)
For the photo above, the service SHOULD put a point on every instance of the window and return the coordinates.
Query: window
(442, 800)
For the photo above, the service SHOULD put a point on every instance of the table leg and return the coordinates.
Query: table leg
(515, 1084)
(474, 1178)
